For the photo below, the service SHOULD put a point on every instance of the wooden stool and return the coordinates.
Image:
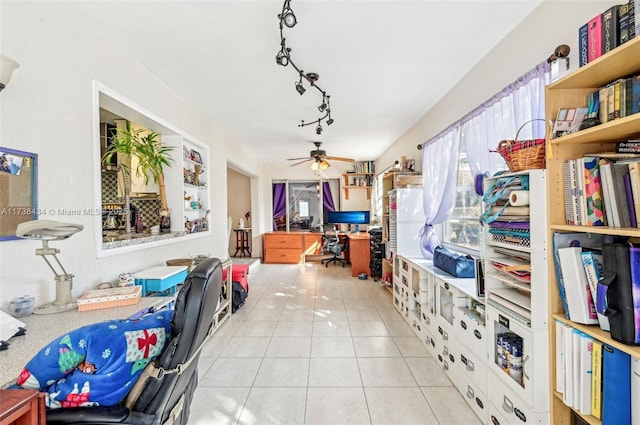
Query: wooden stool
(242, 242)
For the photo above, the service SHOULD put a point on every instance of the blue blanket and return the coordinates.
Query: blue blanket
(96, 364)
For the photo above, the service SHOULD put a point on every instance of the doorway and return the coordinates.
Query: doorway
(239, 208)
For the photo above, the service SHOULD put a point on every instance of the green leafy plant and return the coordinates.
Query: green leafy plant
(152, 155)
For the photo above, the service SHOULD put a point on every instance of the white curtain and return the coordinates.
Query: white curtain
(440, 175)
(518, 106)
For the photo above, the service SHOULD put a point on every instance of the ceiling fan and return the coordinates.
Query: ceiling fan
(319, 156)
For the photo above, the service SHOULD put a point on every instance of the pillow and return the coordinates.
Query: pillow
(96, 364)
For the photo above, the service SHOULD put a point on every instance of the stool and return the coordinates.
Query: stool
(242, 242)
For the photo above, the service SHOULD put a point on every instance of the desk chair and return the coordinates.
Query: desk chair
(164, 395)
(331, 243)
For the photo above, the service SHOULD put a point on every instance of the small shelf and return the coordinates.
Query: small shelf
(350, 178)
(588, 418)
(604, 230)
(597, 333)
(193, 186)
(617, 129)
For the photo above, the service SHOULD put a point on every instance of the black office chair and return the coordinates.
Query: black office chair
(165, 397)
(331, 244)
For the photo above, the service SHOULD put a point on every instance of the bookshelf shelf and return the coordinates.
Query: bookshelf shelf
(571, 91)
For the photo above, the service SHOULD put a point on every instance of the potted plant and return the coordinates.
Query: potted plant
(152, 158)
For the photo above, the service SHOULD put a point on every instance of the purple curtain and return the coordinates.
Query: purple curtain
(327, 198)
(279, 202)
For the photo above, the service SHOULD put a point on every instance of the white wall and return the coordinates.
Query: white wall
(551, 24)
(47, 109)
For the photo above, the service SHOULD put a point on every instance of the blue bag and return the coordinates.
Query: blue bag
(455, 264)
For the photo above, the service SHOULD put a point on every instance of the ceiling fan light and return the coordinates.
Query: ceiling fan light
(315, 166)
(324, 165)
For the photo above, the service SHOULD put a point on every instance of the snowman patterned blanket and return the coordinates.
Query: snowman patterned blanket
(96, 364)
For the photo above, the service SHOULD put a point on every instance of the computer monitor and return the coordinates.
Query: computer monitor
(349, 217)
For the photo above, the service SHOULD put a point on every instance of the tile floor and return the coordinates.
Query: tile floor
(313, 345)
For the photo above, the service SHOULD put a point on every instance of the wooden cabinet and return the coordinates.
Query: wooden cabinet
(358, 181)
(571, 91)
(22, 407)
(290, 247)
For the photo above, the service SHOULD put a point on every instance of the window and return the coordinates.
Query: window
(302, 205)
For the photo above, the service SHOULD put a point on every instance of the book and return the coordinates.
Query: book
(581, 307)
(610, 206)
(618, 171)
(581, 200)
(629, 146)
(635, 390)
(623, 22)
(628, 96)
(596, 379)
(560, 329)
(630, 200)
(592, 263)
(564, 121)
(575, 364)
(635, 94)
(616, 386)
(603, 114)
(568, 201)
(617, 97)
(568, 394)
(610, 29)
(583, 40)
(593, 192)
(634, 20)
(611, 99)
(584, 389)
(634, 177)
(594, 31)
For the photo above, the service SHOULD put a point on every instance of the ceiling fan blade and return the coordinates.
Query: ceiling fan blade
(297, 159)
(301, 162)
(337, 158)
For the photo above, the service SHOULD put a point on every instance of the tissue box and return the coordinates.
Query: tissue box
(111, 297)
(161, 279)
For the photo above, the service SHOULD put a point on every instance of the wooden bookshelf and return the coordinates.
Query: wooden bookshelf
(571, 91)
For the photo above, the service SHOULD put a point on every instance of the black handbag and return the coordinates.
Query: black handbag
(620, 271)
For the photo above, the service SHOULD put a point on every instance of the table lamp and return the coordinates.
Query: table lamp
(47, 230)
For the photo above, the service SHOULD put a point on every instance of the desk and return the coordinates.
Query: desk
(42, 329)
(359, 253)
(22, 407)
(242, 241)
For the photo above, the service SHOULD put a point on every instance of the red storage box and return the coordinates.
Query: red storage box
(239, 273)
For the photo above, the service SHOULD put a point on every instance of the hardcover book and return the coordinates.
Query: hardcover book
(635, 105)
(593, 192)
(623, 22)
(583, 44)
(581, 307)
(595, 37)
(630, 146)
(596, 380)
(610, 28)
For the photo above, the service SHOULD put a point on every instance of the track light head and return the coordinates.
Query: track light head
(287, 15)
(330, 121)
(300, 88)
(282, 59)
(322, 107)
(319, 129)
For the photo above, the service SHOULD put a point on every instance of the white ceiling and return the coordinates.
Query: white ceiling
(384, 63)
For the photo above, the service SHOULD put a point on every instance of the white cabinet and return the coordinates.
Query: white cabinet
(516, 285)
(406, 219)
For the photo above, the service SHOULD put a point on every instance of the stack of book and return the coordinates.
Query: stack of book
(596, 379)
(608, 30)
(603, 189)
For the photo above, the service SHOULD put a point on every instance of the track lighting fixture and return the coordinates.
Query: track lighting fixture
(283, 58)
(287, 15)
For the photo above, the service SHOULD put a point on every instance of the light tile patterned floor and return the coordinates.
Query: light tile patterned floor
(315, 346)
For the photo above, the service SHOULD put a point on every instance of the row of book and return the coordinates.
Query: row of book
(596, 379)
(363, 167)
(603, 189)
(608, 30)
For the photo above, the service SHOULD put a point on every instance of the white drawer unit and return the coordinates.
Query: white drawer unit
(448, 299)
(471, 332)
(513, 409)
(517, 353)
(495, 416)
(473, 367)
(447, 355)
(474, 397)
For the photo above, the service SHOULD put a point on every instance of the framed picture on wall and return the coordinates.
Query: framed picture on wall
(195, 155)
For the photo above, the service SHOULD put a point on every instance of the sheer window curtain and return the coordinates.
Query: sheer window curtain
(499, 118)
(439, 169)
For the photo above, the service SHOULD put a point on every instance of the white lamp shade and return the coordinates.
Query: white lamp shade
(7, 65)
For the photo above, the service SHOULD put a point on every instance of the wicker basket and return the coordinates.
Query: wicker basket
(523, 155)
